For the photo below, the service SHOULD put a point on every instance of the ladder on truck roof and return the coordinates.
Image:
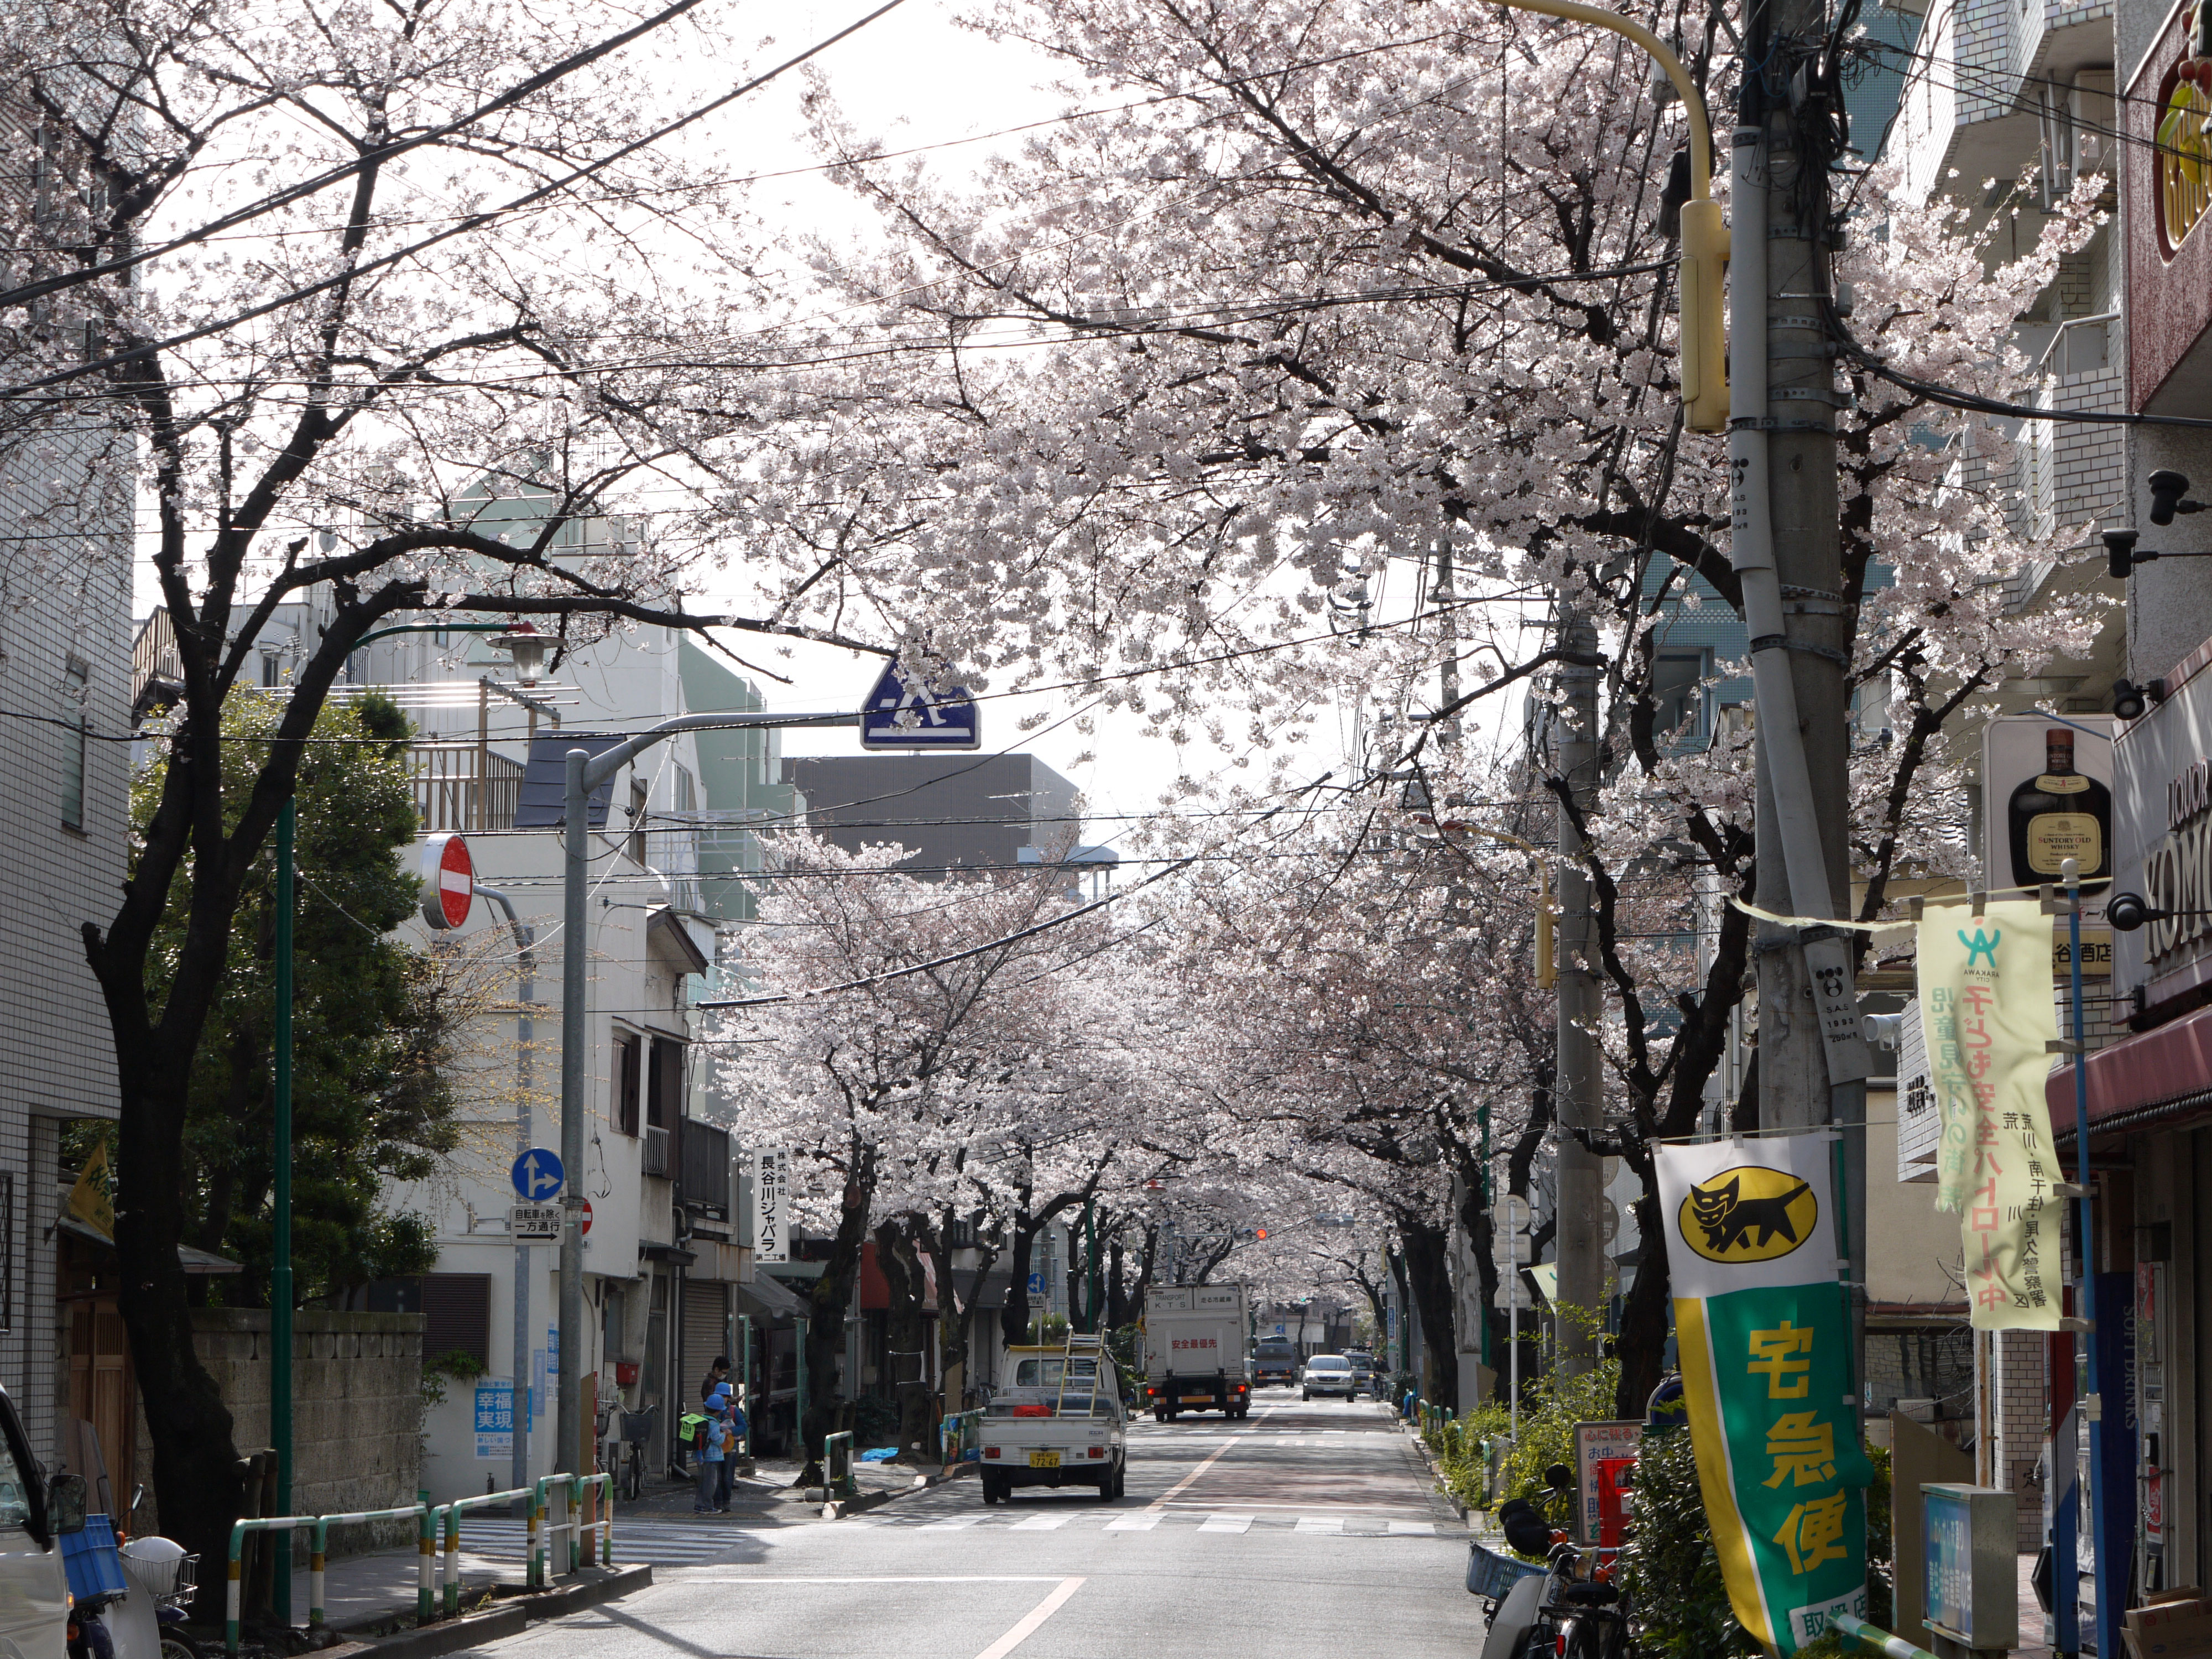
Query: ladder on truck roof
(1081, 1345)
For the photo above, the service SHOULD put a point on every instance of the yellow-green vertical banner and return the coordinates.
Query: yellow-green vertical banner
(1765, 1333)
(1987, 1018)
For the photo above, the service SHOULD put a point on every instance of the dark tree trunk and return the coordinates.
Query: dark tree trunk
(195, 1480)
(1643, 1317)
(1014, 1317)
(827, 1301)
(905, 1332)
(1426, 1267)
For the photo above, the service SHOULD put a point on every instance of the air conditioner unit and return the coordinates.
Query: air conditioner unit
(656, 1152)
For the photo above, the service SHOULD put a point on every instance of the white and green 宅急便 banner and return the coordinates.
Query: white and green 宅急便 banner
(1765, 1333)
(1988, 1020)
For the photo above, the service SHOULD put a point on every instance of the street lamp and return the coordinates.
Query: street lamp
(585, 774)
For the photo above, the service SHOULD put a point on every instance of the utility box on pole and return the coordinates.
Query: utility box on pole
(1970, 1552)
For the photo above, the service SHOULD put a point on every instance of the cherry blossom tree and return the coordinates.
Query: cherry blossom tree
(317, 292)
(1320, 295)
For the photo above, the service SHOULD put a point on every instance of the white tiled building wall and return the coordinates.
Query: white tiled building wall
(65, 656)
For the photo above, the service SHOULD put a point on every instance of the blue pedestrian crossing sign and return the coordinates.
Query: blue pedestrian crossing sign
(537, 1176)
(901, 714)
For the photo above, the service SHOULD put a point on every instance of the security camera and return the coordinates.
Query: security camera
(2129, 911)
(2129, 700)
(2120, 547)
(2168, 487)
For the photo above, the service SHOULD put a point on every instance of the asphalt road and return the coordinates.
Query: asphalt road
(1308, 1529)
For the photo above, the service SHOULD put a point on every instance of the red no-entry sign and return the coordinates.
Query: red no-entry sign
(449, 881)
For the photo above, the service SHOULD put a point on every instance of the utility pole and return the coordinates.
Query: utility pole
(1786, 547)
(1580, 1235)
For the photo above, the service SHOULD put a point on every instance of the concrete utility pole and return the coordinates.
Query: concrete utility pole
(1787, 546)
(1579, 1083)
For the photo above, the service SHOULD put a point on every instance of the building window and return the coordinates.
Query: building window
(625, 1089)
(638, 795)
(1678, 698)
(7, 1249)
(76, 694)
(664, 1093)
(457, 1314)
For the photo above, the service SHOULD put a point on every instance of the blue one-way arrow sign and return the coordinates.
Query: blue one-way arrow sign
(899, 714)
(537, 1176)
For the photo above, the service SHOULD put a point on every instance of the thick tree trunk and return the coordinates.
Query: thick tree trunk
(1643, 1318)
(827, 1304)
(1427, 1270)
(905, 1331)
(195, 1479)
(1014, 1317)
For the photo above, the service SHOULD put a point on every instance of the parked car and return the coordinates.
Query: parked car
(1329, 1373)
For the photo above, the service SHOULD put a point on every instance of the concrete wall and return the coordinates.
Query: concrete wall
(357, 1410)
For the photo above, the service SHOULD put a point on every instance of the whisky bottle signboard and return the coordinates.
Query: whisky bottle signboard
(2047, 797)
(2059, 814)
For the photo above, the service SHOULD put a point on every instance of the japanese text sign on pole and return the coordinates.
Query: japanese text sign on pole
(449, 882)
(901, 713)
(1765, 1335)
(1598, 1444)
(772, 1203)
(1987, 1019)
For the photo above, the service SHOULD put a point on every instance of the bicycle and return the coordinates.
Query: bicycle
(1569, 1609)
(637, 1434)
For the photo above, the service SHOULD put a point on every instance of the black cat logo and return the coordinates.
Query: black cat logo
(1749, 1214)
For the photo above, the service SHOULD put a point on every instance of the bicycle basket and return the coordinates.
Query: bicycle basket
(1493, 1574)
(160, 1579)
(637, 1426)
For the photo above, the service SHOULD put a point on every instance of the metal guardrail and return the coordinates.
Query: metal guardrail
(1881, 1641)
(837, 1480)
(544, 1564)
(319, 1529)
(452, 1515)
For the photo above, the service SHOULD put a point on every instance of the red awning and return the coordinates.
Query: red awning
(2157, 1078)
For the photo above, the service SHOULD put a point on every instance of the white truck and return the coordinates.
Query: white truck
(1196, 1337)
(1059, 1424)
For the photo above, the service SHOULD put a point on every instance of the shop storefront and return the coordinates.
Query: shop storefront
(2150, 1115)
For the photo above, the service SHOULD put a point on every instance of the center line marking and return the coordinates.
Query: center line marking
(1183, 1485)
(1031, 1622)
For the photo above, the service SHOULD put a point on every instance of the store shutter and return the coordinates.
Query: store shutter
(706, 1309)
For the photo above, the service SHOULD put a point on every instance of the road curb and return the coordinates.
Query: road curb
(838, 1509)
(508, 1617)
(1439, 1489)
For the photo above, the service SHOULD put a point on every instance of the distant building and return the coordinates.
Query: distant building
(952, 812)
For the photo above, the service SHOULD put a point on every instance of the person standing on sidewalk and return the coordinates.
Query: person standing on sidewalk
(730, 1421)
(718, 1374)
(703, 1436)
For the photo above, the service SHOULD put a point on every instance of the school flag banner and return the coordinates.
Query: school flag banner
(1766, 1336)
(1987, 1017)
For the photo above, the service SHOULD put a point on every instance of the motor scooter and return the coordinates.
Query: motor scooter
(129, 1598)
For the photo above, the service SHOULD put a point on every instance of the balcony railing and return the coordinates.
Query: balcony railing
(459, 785)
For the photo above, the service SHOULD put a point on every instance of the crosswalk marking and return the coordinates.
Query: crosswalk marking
(1042, 1523)
(1413, 1529)
(952, 1523)
(1227, 1523)
(1330, 1523)
(635, 1542)
(1134, 1523)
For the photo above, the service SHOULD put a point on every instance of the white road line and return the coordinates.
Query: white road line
(1414, 1529)
(1031, 1622)
(951, 1523)
(1161, 1502)
(1134, 1524)
(1265, 1503)
(1227, 1523)
(1330, 1523)
(1004, 1578)
(1042, 1523)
